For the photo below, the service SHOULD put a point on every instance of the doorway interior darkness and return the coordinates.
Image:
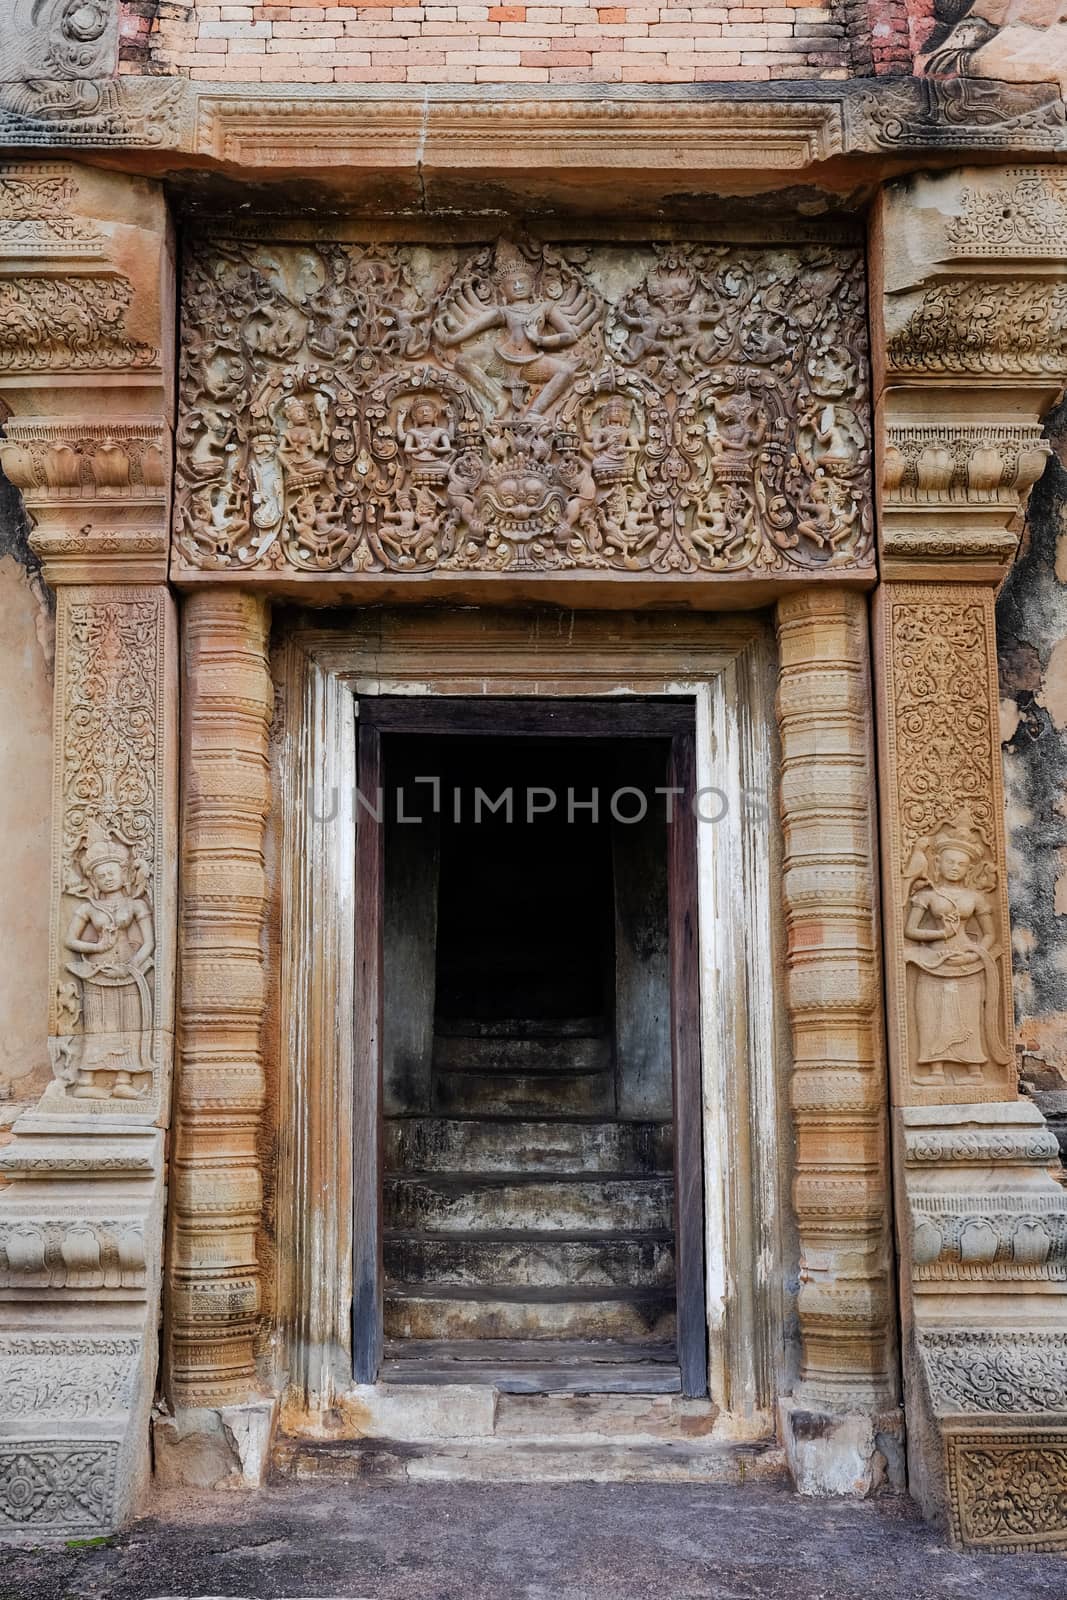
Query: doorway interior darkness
(528, 1165)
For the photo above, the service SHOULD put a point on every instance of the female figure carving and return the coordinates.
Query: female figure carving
(112, 941)
(950, 934)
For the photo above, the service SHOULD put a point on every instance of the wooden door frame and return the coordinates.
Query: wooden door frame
(671, 718)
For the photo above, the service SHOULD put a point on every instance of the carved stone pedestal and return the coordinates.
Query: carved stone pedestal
(987, 1239)
(79, 1270)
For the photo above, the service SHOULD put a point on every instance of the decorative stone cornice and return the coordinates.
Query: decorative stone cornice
(300, 130)
(82, 292)
(973, 312)
(952, 494)
(442, 130)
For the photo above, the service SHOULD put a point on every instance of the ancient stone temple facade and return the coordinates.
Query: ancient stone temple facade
(507, 968)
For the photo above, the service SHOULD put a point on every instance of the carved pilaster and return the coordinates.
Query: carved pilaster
(972, 304)
(839, 1087)
(215, 1275)
(83, 274)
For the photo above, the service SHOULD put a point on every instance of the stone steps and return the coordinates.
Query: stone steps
(552, 1146)
(524, 1210)
(447, 1203)
(485, 1313)
(639, 1261)
(527, 1052)
(552, 1092)
(508, 1460)
(535, 1366)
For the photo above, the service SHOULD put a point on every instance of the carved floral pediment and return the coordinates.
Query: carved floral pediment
(358, 408)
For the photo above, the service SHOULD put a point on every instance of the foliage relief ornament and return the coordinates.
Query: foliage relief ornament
(517, 407)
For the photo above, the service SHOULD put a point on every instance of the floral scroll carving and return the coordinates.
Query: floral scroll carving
(1029, 218)
(964, 327)
(74, 323)
(694, 408)
(982, 1371)
(951, 905)
(1009, 1491)
(56, 1485)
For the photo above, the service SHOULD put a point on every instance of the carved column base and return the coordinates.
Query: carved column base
(215, 1447)
(985, 1357)
(79, 1313)
(852, 1453)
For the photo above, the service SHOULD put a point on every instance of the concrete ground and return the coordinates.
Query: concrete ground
(518, 1542)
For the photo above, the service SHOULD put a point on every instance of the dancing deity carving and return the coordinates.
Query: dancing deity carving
(372, 408)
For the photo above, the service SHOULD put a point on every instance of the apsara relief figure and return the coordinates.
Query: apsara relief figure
(951, 948)
(111, 942)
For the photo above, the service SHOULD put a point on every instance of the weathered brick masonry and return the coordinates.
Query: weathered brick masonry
(404, 41)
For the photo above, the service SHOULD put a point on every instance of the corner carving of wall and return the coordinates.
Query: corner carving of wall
(972, 315)
(59, 39)
(358, 409)
(81, 1207)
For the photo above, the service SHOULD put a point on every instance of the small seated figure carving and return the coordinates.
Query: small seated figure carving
(424, 436)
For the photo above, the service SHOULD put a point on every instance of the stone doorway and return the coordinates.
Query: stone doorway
(348, 689)
(541, 1218)
(541, 1225)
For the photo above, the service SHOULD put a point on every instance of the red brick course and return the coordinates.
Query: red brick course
(446, 41)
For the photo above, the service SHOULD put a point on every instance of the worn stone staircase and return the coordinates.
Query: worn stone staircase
(528, 1230)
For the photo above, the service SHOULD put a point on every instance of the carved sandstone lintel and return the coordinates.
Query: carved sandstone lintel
(833, 990)
(518, 408)
(214, 1283)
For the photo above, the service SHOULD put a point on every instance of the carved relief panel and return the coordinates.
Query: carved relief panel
(682, 409)
(950, 977)
(112, 1000)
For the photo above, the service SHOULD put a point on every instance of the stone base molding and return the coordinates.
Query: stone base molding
(84, 332)
(972, 279)
(842, 1426)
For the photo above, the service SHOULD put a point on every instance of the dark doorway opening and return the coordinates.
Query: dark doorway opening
(537, 1221)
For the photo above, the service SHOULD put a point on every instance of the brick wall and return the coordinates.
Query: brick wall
(448, 41)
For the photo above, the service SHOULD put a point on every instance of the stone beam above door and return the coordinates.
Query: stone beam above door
(970, 276)
(85, 320)
(593, 423)
(420, 147)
